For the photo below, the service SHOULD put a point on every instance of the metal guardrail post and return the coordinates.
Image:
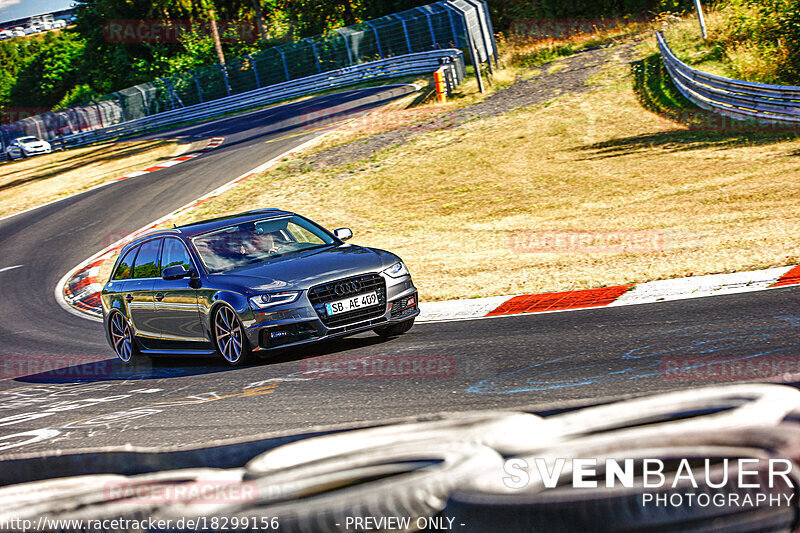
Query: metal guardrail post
(491, 32)
(405, 32)
(477, 5)
(145, 104)
(314, 51)
(285, 66)
(252, 61)
(452, 24)
(430, 25)
(121, 107)
(173, 96)
(199, 87)
(346, 46)
(225, 77)
(476, 63)
(377, 38)
(701, 19)
(97, 113)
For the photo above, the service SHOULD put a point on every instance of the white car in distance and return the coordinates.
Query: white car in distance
(27, 147)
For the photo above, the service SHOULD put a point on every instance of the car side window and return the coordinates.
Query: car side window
(146, 265)
(175, 253)
(125, 266)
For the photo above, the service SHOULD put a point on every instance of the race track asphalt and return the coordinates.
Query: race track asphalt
(543, 360)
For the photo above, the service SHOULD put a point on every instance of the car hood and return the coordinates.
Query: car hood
(300, 272)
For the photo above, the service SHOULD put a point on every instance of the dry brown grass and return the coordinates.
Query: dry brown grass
(448, 200)
(28, 183)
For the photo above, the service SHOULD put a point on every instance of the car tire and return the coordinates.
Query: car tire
(122, 339)
(230, 341)
(395, 329)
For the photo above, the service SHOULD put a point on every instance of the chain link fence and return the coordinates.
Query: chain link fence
(462, 24)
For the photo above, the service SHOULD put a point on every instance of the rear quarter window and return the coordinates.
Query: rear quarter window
(147, 260)
(125, 265)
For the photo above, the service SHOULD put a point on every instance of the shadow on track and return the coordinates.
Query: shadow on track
(58, 370)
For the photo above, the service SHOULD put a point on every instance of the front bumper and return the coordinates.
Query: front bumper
(300, 323)
(37, 151)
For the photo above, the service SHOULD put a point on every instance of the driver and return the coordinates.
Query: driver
(265, 242)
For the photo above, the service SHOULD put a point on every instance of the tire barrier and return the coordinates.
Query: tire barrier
(508, 433)
(454, 468)
(407, 480)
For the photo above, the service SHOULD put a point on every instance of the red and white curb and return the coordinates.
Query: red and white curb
(212, 143)
(642, 293)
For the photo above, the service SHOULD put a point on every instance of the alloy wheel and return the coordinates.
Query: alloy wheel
(122, 338)
(228, 333)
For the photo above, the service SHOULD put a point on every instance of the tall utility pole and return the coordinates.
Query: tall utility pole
(215, 36)
(701, 19)
(207, 6)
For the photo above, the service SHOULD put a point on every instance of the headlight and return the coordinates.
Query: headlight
(397, 270)
(262, 301)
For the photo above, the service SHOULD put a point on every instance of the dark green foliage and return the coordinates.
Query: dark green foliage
(38, 72)
(72, 66)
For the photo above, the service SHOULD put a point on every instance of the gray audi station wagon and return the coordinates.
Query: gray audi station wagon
(250, 283)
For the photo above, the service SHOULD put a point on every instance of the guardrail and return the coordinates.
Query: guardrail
(419, 63)
(737, 99)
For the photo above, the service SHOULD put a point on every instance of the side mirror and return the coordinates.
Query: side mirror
(176, 272)
(343, 234)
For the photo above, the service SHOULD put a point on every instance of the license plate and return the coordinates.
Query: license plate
(351, 304)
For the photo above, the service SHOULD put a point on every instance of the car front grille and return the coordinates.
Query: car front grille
(325, 293)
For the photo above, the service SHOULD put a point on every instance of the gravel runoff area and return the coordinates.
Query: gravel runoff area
(571, 76)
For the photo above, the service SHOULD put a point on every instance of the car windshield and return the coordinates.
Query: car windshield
(254, 242)
(27, 139)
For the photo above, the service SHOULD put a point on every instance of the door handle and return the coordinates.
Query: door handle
(159, 297)
(129, 298)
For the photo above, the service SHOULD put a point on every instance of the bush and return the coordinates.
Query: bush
(761, 39)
